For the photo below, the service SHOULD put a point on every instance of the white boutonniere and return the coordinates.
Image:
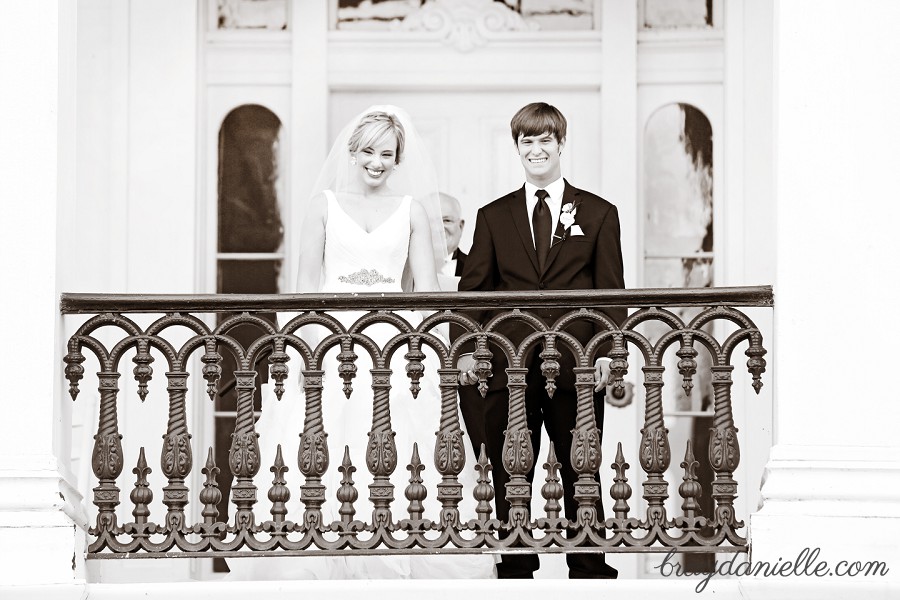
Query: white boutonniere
(567, 220)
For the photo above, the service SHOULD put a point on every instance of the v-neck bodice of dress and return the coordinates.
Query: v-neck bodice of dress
(356, 260)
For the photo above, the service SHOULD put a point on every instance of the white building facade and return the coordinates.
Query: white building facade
(121, 107)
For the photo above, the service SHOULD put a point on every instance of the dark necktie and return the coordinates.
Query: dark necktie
(541, 222)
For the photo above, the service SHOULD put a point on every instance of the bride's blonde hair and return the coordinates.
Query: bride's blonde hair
(373, 129)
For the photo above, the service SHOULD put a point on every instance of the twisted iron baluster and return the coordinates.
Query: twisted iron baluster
(176, 459)
(243, 457)
(585, 453)
(655, 454)
(518, 455)
(449, 455)
(312, 457)
(381, 453)
(106, 457)
(724, 451)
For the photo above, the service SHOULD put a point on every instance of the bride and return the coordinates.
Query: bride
(373, 224)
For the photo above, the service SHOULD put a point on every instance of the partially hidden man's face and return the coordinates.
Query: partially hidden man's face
(453, 224)
(540, 157)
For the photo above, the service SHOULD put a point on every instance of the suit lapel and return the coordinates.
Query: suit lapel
(570, 194)
(519, 213)
(460, 257)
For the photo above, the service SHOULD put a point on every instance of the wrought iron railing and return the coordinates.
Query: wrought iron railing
(449, 532)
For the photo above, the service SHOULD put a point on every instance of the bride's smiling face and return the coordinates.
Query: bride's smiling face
(377, 161)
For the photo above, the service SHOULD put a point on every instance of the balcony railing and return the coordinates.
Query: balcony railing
(279, 533)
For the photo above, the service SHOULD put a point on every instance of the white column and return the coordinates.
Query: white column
(41, 530)
(308, 139)
(161, 145)
(619, 126)
(833, 478)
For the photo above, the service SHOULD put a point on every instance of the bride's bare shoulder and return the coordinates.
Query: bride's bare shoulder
(418, 215)
(317, 207)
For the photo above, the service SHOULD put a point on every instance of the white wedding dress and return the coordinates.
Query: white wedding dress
(360, 261)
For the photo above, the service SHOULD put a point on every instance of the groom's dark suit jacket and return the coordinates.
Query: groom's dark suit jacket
(503, 258)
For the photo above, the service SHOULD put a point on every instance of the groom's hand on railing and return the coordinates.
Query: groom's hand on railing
(466, 366)
(467, 376)
(601, 373)
(601, 379)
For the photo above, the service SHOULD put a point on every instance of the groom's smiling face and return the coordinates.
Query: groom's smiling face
(540, 157)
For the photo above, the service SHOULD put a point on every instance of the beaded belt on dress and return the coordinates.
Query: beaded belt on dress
(367, 277)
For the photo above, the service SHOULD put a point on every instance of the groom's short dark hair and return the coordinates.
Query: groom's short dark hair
(537, 118)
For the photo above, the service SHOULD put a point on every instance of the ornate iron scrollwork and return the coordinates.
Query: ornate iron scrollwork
(308, 531)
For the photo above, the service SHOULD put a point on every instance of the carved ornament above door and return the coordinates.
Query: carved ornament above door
(465, 24)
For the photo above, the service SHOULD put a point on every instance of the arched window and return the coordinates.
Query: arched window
(250, 231)
(250, 247)
(678, 198)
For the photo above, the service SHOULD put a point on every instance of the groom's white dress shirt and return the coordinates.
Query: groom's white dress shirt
(554, 202)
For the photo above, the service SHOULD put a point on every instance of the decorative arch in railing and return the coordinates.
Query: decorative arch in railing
(450, 531)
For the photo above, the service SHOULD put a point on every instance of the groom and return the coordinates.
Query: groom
(547, 235)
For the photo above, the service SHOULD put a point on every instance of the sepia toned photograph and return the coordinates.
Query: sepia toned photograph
(326, 298)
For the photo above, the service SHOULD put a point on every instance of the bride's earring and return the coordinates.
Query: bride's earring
(394, 167)
(353, 160)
